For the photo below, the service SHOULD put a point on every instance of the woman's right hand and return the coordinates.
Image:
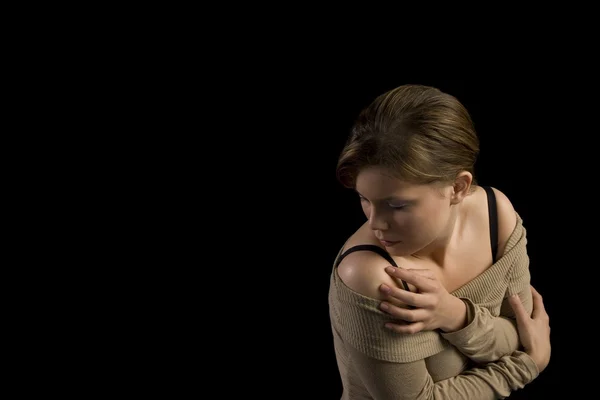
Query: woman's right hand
(534, 331)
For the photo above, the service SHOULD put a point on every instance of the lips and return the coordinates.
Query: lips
(389, 241)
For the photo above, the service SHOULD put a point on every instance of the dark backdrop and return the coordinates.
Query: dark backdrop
(283, 216)
(525, 126)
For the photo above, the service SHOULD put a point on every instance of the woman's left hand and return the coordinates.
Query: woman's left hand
(433, 307)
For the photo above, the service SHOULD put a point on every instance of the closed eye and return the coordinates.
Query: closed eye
(389, 205)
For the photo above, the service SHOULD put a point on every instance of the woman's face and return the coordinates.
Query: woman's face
(414, 216)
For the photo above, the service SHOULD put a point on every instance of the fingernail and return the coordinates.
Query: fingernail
(384, 306)
(384, 288)
(391, 270)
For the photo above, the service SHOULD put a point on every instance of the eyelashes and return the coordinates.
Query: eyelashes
(362, 199)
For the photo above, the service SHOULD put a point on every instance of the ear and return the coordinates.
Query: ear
(461, 186)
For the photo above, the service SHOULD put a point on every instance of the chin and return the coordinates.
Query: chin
(398, 251)
(401, 250)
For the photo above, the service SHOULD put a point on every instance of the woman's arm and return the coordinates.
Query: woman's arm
(470, 327)
(388, 380)
(487, 338)
(394, 381)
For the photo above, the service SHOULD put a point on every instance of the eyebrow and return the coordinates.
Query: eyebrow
(389, 198)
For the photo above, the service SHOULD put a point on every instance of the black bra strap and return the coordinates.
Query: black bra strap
(493, 215)
(371, 247)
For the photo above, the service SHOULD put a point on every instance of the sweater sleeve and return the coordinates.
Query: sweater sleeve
(395, 381)
(488, 337)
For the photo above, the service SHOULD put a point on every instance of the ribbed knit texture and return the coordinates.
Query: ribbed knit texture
(375, 362)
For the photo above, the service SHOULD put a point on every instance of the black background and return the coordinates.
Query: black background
(258, 216)
(214, 216)
(534, 147)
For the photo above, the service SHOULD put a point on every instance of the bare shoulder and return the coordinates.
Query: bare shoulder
(364, 271)
(507, 219)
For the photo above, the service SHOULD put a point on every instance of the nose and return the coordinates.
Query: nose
(377, 221)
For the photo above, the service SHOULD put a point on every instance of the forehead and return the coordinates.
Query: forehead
(379, 182)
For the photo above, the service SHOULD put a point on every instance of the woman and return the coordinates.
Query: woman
(458, 252)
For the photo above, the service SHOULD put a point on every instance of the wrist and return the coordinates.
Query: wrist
(540, 359)
(458, 315)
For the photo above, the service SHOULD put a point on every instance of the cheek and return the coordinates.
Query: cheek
(406, 222)
(365, 208)
(416, 227)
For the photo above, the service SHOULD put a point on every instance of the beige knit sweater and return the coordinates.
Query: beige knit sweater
(481, 361)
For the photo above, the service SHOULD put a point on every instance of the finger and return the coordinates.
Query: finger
(422, 283)
(404, 314)
(427, 273)
(405, 328)
(538, 305)
(517, 306)
(409, 298)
